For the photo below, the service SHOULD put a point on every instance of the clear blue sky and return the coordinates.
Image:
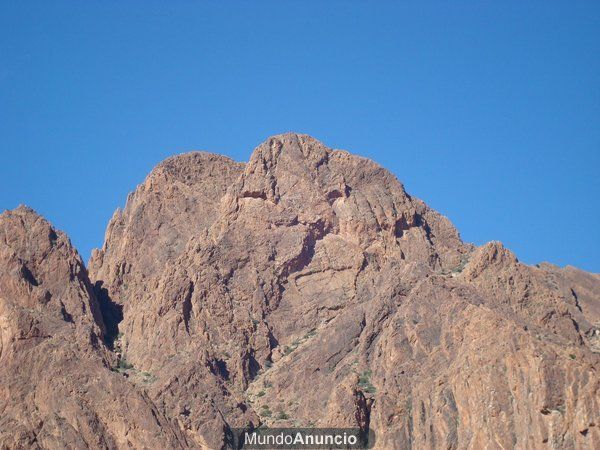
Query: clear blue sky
(488, 111)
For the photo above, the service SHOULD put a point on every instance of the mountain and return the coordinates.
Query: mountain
(303, 288)
(57, 389)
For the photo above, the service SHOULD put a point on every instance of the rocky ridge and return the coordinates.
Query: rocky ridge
(304, 288)
(57, 386)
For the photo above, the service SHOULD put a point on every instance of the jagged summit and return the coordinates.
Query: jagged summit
(303, 288)
(22, 209)
(40, 264)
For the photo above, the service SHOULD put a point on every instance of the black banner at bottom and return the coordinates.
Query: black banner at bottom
(301, 438)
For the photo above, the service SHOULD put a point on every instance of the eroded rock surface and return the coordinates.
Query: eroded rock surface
(307, 288)
(57, 389)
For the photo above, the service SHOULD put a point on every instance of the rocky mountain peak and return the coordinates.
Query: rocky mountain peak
(304, 288)
(40, 265)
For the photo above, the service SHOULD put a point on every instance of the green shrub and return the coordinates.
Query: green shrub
(123, 364)
(364, 382)
(370, 389)
(148, 377)
(461, 266)
(282, 415)
(311, 333)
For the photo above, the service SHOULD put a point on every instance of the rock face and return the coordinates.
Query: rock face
(57, 389)
(304, 288)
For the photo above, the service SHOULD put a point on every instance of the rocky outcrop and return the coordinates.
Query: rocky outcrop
(57, 389)
(307, 288)
(580, 291)
(178, 200)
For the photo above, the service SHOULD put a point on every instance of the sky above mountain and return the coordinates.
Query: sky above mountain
(489, 112)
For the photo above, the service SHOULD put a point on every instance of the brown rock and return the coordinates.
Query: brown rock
(306, 287)
(57, 388)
